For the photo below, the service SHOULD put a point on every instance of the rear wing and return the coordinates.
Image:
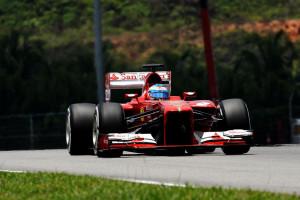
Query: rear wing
(130, 80)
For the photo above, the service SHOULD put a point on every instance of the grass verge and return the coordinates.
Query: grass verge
(64, 186)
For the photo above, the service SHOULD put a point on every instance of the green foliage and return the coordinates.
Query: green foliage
(39, 79)
(188, 69)
(62, 186)
(266, 66)
(263, 76)
(262, 10)
(42, 15)
(140, 16)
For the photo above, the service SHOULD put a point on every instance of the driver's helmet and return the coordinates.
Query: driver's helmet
(159, 91)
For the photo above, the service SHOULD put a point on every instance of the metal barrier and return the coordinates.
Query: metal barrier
(32, 131)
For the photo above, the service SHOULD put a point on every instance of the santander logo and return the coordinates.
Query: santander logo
(113, 77)
(133, 76)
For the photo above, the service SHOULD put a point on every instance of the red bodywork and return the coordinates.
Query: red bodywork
(172, 123)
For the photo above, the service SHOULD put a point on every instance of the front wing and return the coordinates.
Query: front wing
(133, 141)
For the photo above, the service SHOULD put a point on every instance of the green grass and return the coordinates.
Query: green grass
(63, 186)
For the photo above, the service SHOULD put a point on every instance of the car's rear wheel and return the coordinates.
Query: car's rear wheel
(236, 116)
(79, 128)
(109, 118)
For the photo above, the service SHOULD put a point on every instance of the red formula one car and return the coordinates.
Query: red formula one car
(155, 121)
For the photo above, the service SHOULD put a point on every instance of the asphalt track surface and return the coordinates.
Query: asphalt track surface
(275, 169)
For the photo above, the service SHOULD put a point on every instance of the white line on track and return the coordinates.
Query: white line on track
(153, 182)
(11, 171)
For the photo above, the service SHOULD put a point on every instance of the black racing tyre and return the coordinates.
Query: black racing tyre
(236, 116)
(236, 150)
(111, 118)
(79, 128)
(235, 113)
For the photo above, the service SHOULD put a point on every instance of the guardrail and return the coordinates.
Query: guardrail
(32, 131)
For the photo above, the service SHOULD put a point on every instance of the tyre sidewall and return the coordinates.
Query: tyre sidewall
(111, 118)
(235, 113)
(81, 118)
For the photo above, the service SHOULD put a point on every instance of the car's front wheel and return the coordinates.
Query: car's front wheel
(109, 118)
(236, 116)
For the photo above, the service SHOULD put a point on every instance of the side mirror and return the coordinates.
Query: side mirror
(189, 95)
(131, 96)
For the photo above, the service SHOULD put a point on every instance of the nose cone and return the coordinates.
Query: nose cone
(178, 123)
(175, 106)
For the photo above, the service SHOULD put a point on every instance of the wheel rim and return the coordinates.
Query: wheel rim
(95, 136)
(95, 131)
(68, 130)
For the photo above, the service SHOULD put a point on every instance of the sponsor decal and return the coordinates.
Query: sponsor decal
(113, 77)
(129, 77)
(133, 76)
(142, 110)
(238, 133)
(127, 138)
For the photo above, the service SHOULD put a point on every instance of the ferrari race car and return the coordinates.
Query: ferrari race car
(156, 121)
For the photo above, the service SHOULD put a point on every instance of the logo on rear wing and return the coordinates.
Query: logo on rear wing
(127, 76)
(131, 80)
